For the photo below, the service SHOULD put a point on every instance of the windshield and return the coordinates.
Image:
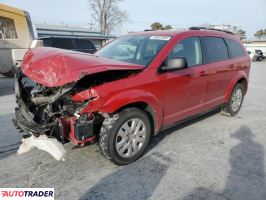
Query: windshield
(137, 49)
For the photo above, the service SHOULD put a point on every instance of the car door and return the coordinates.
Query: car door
(219, 69)
(184, 90)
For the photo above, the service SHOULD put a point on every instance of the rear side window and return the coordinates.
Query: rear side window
(7, 28)
(83, 44)
(214, 49)
(235, 49)
(63, 43)
(190, 49)
(47, 42)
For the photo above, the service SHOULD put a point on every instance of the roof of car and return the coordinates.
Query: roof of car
(160, 32)
(174, 32)
(62, 37)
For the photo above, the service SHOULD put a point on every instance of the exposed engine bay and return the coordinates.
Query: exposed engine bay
(51, 111)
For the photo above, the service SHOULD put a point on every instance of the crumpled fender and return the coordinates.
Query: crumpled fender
(110, 104)
(234, 80)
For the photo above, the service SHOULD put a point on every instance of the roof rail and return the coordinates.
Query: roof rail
(212, 29)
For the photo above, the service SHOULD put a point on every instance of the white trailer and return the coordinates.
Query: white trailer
(16, 36)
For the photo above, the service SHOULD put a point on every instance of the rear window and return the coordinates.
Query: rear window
(7, 28)
(214, 49)
(83, 44)
(235, 49)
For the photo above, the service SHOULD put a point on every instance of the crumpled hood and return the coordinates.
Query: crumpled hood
(53, 67)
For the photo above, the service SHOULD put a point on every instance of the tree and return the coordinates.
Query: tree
(241, 33)
(260, 33)
(234, 29)
(107, 14)
(168, 27)
(157, 26)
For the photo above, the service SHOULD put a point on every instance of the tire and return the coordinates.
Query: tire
(236, 100)
(122, 143)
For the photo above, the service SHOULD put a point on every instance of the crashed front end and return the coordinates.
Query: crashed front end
(51, 111)
(56, 93)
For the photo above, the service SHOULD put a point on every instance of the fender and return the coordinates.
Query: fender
(235, 79)
(121, 99)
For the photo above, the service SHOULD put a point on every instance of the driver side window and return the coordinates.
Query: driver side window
(190, 49)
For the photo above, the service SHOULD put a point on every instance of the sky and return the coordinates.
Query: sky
(246, 14)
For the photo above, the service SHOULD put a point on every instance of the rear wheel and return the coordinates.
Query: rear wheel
(236, 100)
(127, 138)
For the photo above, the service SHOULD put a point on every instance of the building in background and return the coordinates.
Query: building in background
(225, 27)
(46, 30)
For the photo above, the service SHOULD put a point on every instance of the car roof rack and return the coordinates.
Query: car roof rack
(211, 29)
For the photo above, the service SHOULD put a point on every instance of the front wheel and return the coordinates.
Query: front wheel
(126, 138)
(236, 100)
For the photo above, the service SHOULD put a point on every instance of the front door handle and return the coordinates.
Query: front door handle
(196, 74)
(233, 67)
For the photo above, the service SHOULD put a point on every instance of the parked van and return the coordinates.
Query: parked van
(16, 36)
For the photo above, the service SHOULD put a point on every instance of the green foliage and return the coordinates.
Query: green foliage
(260, 33)
(159, 26)
(168, 27)
(241, 33)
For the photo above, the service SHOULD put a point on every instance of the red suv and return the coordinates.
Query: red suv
(130, 89)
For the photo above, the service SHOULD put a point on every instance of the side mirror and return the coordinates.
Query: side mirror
(174, 64)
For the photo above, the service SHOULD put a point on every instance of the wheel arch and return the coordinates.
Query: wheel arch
(244, 82)
(239, 78)
(136, 98)
(146, 108)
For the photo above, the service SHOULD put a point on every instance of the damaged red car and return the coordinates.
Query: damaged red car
(131, 89)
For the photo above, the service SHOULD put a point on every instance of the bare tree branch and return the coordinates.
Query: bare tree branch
(107, 14)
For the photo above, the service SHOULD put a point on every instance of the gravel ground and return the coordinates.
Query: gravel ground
(213, 157)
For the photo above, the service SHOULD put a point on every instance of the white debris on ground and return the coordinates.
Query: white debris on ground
(50, 145)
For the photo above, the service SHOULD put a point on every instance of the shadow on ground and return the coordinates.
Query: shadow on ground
(158, 138)
(246, 179)
(139, 179)
(10, 137)
(135, 181)
(6, 86)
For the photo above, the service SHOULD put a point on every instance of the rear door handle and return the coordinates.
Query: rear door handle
(203, 73)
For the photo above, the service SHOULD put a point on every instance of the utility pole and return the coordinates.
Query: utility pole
(91, 25)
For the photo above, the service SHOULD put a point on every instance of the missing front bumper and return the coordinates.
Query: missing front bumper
(63, 129)
(24, 125)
